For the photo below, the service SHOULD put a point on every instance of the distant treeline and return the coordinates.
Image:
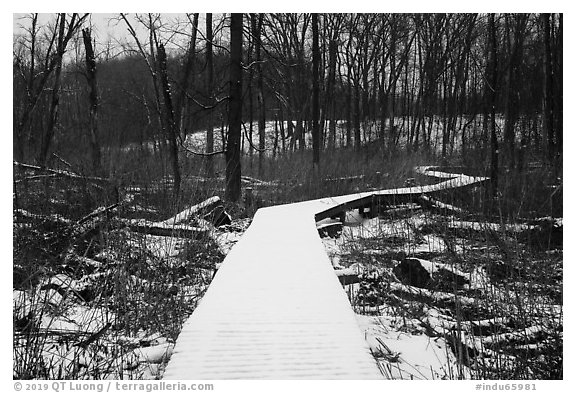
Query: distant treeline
(374, 68)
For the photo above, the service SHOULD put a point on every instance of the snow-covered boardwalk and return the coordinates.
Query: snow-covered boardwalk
(275, 309)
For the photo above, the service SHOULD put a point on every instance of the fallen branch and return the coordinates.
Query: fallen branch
(98, 212)
(60, 173)
(257, 182)
(160, 229)
(192, 211)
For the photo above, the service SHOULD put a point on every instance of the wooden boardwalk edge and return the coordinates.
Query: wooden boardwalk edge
(372, 200)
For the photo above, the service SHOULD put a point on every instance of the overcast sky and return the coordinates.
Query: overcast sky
(110, 32)
(104, 24)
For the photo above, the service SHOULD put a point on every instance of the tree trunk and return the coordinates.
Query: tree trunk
(260, 86)
(210, 93)
(349, 111)
(315, 94)
(233, 170)
(493, 74)
(558, 105)
(93, 95)
(357, 130)
(171, 128)
(392, 86)
(548, 105)
(188, 78)
(332, 56)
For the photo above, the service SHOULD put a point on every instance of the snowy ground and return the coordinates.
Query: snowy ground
(414, 331)
(431, 332)
(370, 129)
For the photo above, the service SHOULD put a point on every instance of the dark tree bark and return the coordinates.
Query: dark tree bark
(392, 86)
(188, 79)
(94, 102)
(493, 75)
(512, 97)
(171, 128)
(210, 93)
(315, 93)
(260, 92)
(357, 114)
(332, 56)
(559, 93)
(233, 170)
(348, 111)
(548, 101)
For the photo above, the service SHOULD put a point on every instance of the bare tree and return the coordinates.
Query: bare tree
(493, 94)
(334, 22)
(233, 170)
(65, 32)
(315, 93)
(210, 93)
(187, 78)
(547, 100)
(257, 33)
(515, 36)
(171, 128)
(94, 102)
(157, 66)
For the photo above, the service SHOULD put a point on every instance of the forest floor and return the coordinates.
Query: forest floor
(438, 298)
(438, 295)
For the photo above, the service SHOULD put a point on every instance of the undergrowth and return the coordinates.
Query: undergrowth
(84, 302)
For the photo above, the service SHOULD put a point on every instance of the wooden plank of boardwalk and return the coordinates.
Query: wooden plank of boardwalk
(275, 309)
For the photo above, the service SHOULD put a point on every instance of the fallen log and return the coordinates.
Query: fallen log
(257, 182)
(187, 214)
(161, 229)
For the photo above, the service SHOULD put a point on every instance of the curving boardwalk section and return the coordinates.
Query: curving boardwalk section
(275, 309)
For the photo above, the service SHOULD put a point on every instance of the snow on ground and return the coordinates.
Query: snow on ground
(63, 318)
(407, 354)
(196, 141)
(413, 331)
(401, 346)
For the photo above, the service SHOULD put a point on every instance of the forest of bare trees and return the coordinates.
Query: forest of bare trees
(490, 85)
